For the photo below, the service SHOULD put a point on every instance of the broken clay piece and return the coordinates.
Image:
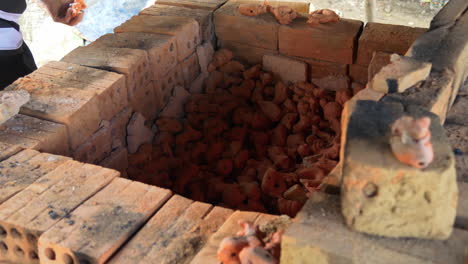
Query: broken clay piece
(411, 141)
(284, 14)
(253, 9)
(249, 247)
(322, 16)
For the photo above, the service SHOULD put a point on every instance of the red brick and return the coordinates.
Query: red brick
(45, 202)
(132, 63)
(358, 73)
(77, 109)
(161, 49)
(117, 160)
(97, 147)
(289, 70)
(385, 37)
(185, 30)
(379, 60)
(203, 17)
(109, 87)
(260, 31)
(205, 54)
(333, 42)
(190, 69)
(8, 150)
(170, 81)
(143, 101)
(50, 137)
(247, 54)
(194, 4)
(321, 68)
(118, 126)
(24, 168)
(111, 217)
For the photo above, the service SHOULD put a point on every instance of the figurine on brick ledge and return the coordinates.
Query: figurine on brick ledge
(16, 60)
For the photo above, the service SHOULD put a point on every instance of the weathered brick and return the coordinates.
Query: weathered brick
(144, 99)
(321, 68)
(190, 69)
(433, 94)
(24, 168)
(289, 70)
(300, 6)
(458, 113)
(205, 54)
(110, 218)
(379, 60)
(161, 49)
(159, 97)
(319, 234)
(259, 31)
(77, 109)
(422, 202)
(246, 53)
(185, 30)
(358, 73)
(118, 125)
(385, 37)
(462, 210)
(132, 63)
(8, 150)
(334, 42)
(170, 231)
(459, 143)
(445, 44)
(34, 210)
(196, 87)
(96, 147)
(109, 87)
(117, 160)
(170, 81)
(51, 137)
(402, 73)
(203, 17)
(210, 5)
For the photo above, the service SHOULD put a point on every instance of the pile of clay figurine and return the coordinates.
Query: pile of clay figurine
(250, 246)
(285, 15)
(249, 142)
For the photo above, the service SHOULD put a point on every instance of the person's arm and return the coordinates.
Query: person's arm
(60, 11)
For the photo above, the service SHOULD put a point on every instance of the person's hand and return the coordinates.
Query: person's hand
(68, 15)
(63, 11)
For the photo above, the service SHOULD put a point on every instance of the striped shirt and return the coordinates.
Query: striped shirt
(10, 10)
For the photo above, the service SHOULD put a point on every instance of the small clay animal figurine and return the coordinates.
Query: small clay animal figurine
(284, 14)
(322, 16)
(410, 141)
(253, 9)
(248, 248)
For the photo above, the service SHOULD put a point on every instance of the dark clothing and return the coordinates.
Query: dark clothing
(14, 63)
(16, 66)
(13, 6)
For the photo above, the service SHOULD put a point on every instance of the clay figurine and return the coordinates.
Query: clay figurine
(322, 16)
(248, 247)
(253, 9)
(410, 141)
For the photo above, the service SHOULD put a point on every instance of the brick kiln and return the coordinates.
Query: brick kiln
(192, 100)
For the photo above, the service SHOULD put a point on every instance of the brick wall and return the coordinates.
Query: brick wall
(90, 96)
